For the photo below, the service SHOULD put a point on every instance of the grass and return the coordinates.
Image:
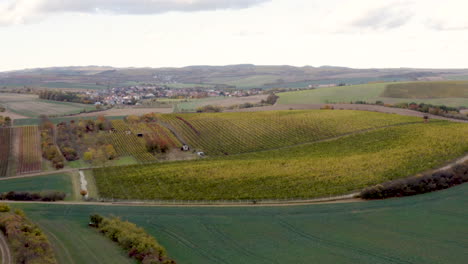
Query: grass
(52, 182)
(31, 106)
(65, 85)
(232, 133)
(305, 171)
(364, 92)
(428, 228)
(56, 120)
(427, 90)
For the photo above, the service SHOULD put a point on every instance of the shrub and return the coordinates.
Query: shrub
(4, 208)
(27, 241)
(132, 238)
(45, 196)
(439, 180)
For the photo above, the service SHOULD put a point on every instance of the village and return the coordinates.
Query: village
(135, 95)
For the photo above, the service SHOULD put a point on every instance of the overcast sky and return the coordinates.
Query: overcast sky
(159, 33)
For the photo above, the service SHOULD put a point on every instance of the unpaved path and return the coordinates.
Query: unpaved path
(360, 107)
(5, 251)
(84, 183)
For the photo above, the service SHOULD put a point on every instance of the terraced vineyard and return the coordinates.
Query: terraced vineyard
(129, 145)
(232, 133)
(29, 153)
(5, 138)
(156, 129)
(309, 170)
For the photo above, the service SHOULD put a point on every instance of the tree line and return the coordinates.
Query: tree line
(66, 97)
(139, 245)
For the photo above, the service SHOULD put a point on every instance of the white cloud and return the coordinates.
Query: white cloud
(21, 11)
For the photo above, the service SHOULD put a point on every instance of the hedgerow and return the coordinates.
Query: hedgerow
(419, 184)
(132, 238)
(28, 243)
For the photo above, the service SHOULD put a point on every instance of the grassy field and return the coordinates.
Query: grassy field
(427, 90)
(56, 120)
(364, 92)
(64, 85)
(428, 229)
(52, 182)
(32, 106)
(309, 170)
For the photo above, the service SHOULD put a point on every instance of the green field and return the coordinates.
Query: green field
(427, 90)
(310, 170)
(429, 228)
(56, 120)
(365, 92)
(32, 106)
(54, 182)
(65, 85)
(232, 133)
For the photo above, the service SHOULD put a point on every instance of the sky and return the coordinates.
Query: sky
(176, 33)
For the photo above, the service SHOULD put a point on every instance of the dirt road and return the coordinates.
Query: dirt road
(5, 251)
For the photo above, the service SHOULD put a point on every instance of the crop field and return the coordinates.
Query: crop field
(32, 106)
(126, 145)
(427, 90)
(56, 120)
(5, 146)
(364, 92)
(310, 170)
(53, 182)
(233, 133)
(429, 228)
(29, 154)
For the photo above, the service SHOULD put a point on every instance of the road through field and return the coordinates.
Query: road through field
(5, 251)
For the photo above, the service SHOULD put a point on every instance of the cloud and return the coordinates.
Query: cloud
(386, 17)
(21, 11)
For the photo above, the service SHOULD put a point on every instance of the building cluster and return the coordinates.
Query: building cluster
(135, 94)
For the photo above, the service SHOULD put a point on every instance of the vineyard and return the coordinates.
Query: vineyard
(5, 145)
(310, 170)
(29, 152)
(129, 144)
(233, 133)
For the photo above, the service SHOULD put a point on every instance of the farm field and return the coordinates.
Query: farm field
(233, 133)
(53, 182)
(429, 228)
(32, 106)
(5, 147)
(364, 92)
(56, 120)
(309, 170)
(28, 149)
(428, 90)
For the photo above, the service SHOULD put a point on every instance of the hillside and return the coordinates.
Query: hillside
(231, 76)
(304, 171)
(437, 93)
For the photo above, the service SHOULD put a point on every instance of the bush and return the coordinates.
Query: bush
(4, 208)
(132, 238)
(27, 241)
(46, 196)
(209, 109)
(439, 180)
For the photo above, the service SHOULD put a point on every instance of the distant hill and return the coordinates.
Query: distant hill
(233, 76)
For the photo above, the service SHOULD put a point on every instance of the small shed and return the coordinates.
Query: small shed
(185, 147)
(140, 135)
